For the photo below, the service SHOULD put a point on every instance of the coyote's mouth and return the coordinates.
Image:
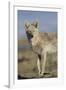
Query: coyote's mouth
(29, 35)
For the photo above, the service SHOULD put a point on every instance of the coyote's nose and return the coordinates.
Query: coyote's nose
(29, 35)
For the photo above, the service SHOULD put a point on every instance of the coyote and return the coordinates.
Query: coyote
(40, 45)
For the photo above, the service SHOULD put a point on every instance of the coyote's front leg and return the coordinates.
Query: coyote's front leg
(43, 63)
(38, 65)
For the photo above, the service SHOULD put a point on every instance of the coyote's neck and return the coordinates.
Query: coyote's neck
(36, 39)
(37, 43)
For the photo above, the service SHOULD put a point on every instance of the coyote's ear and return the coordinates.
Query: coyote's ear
(27, 24)
(36, 24)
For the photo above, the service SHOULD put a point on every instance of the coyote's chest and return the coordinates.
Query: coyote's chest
(36, 45)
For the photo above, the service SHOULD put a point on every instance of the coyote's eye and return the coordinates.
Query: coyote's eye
(29, 31)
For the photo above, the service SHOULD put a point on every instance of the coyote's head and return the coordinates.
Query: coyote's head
(31, 29)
